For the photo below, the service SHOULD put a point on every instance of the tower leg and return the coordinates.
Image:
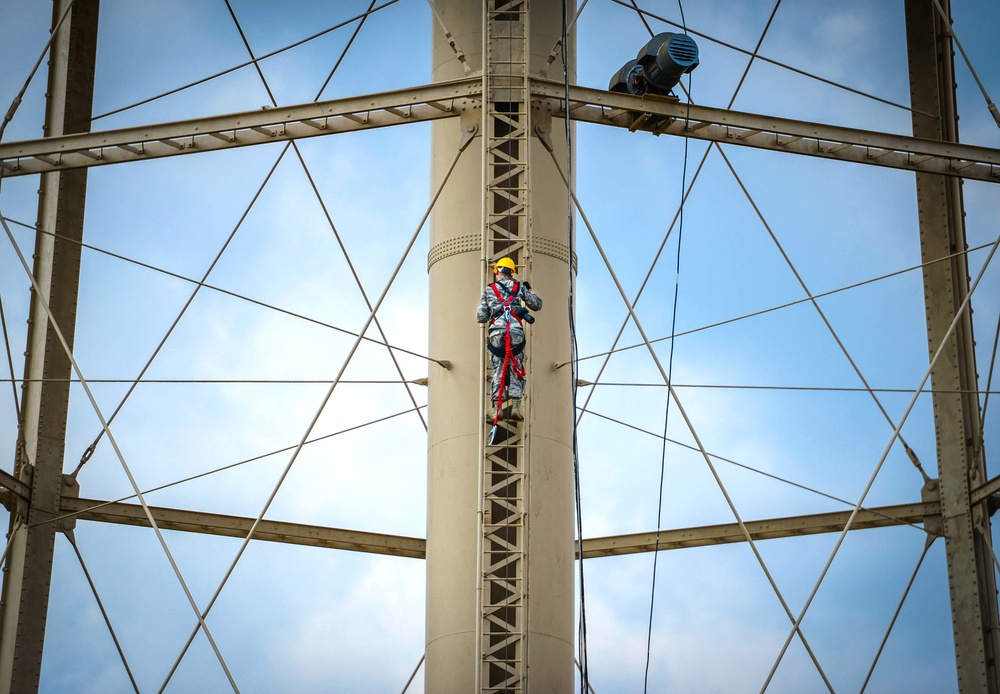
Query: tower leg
(47, 371)
(459, 462)
(971, 580)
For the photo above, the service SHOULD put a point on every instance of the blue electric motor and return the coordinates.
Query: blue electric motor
(658, 67)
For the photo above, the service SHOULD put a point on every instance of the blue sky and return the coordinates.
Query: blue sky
(324, 620)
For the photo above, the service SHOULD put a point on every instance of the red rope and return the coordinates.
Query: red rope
(514, 363)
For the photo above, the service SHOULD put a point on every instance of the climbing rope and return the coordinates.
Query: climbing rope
(510, 361)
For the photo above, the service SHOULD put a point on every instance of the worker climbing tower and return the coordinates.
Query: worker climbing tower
(500, 508)
(506, 123)
(499, 549)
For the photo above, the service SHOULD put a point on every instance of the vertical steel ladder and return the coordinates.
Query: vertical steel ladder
(506, 127)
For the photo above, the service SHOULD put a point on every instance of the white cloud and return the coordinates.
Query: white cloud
(357, 620)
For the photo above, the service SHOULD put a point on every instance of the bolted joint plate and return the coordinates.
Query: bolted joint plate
(931, 493)
(71, 490)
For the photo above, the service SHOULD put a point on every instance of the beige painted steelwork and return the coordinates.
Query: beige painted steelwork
(957, 419)
(502, 636)
(454, 98)
(529, 479)
(959, 506)
(56, 279)
(72, 509)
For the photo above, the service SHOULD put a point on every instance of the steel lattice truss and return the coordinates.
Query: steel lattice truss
(926, 157)
(658, 115)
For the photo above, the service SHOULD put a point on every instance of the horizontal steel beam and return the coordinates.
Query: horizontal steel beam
(988, 489)
(236, 526)
(13, 486)
(658, 115)
(906, 514)
(663, 115)
(401, 546)
(441, 100)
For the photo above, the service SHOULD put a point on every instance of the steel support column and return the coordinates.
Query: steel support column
(47, 369)
(484, 633)
(507, 229)
(956, 404)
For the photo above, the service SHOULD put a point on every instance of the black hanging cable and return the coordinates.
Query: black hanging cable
(574, 354)
(684, 28)
(670, 376)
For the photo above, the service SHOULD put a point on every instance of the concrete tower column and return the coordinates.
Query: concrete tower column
(456, 266)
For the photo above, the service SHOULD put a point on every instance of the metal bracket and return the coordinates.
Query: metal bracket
(541, 122)
(933, 524)
(470, 127)
(70, 490)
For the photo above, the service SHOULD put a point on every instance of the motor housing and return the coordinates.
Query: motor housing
(658, 67)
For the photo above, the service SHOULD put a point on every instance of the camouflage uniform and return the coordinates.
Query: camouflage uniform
(491, 309)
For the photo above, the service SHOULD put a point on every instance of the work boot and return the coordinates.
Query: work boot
(515, 410)
(491, 413)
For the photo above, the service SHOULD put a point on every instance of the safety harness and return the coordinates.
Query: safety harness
(508, 353)
(505, 313)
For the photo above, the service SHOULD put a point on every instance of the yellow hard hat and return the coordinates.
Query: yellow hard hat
(504, 262)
